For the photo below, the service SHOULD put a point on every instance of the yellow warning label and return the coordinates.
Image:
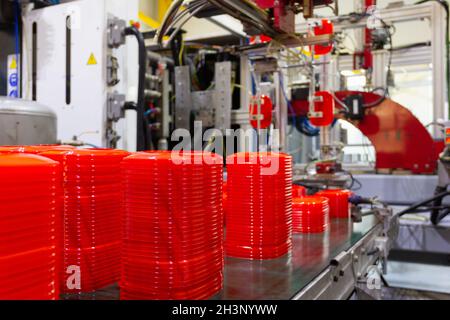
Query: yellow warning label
(13, 64)
(92, 61)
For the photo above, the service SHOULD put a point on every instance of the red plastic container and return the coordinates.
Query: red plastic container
(259, 206)
(91, 218)
(172, 226)
(298, 191)
(29, 227)
(310, 214)
(339, 202)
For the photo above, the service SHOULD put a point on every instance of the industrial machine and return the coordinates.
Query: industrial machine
(26, 123)
(112, 85)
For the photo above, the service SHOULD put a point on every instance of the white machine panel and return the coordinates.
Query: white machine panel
(82, 112)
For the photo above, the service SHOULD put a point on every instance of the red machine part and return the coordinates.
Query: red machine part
(283, 14)
(326, 27)
(364, 59)
(324, 104)
(447, 136)
(260, 39)
(328, 167)
(401, 141)
(265, 117)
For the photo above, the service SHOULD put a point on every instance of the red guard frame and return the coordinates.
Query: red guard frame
(401, 141)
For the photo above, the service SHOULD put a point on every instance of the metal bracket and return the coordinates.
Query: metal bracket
(222, 96)
(202, 102)
(183, 102)
(112, 65)
(115, 106)
(116, 35)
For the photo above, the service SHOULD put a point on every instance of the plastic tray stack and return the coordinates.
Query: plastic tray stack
(259, 206)
(29, 227)
(91, 218)
(310, 214)
(173, 226)
(339, 202)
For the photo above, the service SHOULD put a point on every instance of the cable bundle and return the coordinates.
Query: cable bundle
(339, 202)
(92, 193)
(259, 206)
(29, 227)
(173, 226)
(298, 191)
(310, 214)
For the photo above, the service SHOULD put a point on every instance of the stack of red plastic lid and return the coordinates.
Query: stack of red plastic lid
(259, 206)
(91, 218)
(29, 227)
(339, 202)
(35, 149)
(310, 214)
(224, 201)
(173, 226)
(298, 191)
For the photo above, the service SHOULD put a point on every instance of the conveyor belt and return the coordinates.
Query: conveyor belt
(282, 279)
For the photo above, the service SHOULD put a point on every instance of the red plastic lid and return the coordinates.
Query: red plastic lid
(298, 191)
(173, 225)
(339, 202)
(310, 214)
(29, 227)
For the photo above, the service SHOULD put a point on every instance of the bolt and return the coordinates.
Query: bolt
(341, 273)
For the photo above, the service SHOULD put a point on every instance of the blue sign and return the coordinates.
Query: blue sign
(14, 93)
(13, 80)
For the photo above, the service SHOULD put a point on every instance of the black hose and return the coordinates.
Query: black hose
(423, 203)
(143, 130)
(437, 214)
(130, 106)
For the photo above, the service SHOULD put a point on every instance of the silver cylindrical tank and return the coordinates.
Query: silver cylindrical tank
(26, 123)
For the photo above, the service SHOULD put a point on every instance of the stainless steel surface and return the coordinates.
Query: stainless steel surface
(202, 103)
(212, 107)
(26, 123)
(285, 278)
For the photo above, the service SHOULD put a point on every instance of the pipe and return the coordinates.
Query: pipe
(436, 214)
(423, 203)
(143, 136)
